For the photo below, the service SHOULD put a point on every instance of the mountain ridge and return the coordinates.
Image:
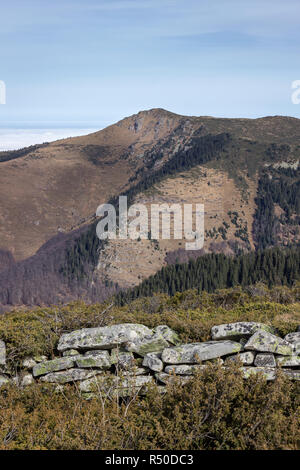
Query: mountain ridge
(245, 171)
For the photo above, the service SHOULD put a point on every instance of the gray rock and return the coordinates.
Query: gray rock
(288, 361)
(265, 360)
(134, 371)
(170, 335)
(267, 372)
(152, 343)
(107, 337)
(196, 352)
(165, 378)
(113, 386)
(153, 362)
(4, 380)
(246, 358)
(28, 363)
(237, 330)
(243, 341)
(40, 358)
(71, 352)
(294, 339)
(184, 369)
(27, 379)
(263, 341)
(61, 363)
(292, 374)
(70, 375)
(100, 360)
(122, 359)
(2, 353)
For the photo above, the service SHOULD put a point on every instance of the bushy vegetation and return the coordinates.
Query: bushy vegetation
(218, 409)
(191, 314)
(215, 410)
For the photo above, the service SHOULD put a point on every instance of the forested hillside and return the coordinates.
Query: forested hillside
(217, 271)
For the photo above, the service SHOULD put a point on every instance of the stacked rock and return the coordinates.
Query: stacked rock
(120, 360)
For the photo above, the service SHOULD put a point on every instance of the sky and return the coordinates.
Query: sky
(73, 64)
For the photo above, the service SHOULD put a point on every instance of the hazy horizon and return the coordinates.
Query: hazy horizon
(102, 60)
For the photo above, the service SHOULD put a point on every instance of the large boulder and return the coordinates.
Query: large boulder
(107, 337)
(195, 352)
(97, 359)
(263, 341)
(2, 353)
(294, 339)
(61, 363)
(238, 330)
(70, 375)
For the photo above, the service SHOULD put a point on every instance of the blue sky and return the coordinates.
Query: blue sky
(86, 64)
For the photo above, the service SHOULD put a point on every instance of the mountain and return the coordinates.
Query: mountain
(245, 171)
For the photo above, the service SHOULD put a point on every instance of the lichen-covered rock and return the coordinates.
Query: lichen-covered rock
(265, 360)
(97, 359)
(4, 379)
(107, 337)
(152, 343)
(71, 352)
(196, 352)
(2, 353)
(288, 361)
(294, 339)
(246, 358)
(134, 370)
(184, 369)
(40, 358)
(267, 372)
(237, 330)
(263, 341)
(61, 363)
(112, 386)
(165, 378)
(170, 335)
(122, 359)
(70, 375)
(153, 362)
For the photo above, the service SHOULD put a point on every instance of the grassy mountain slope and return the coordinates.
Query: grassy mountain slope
(244, 171)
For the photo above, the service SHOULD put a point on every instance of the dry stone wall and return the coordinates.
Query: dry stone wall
(126, 358)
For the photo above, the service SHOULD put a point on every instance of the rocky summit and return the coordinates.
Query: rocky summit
(119, 360)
